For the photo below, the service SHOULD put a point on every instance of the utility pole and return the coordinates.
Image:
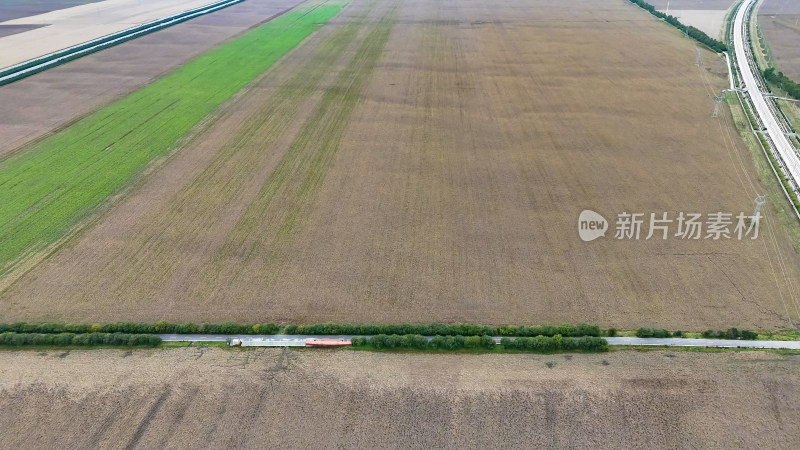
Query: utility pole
(696, 56)
(717, 102)
(761, 200)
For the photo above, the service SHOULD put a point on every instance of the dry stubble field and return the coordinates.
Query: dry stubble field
(194, 398)
(427, 160)
(780, 23)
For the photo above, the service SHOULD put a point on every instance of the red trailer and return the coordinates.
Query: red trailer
(327, 342)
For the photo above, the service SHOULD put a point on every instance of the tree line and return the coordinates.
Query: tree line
(557, 343)
(11, 339)
(779, 79)
(433, 329)
(538, 344)
(730, 333)
(694, 33)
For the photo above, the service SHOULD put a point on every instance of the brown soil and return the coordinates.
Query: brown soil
(8, 30)
(442, 181)
(780, 23)
(213, 398)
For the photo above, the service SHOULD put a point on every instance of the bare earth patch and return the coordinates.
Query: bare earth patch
(780, 23)
(191, 398)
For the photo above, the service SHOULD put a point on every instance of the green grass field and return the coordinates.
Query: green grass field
(47, 189)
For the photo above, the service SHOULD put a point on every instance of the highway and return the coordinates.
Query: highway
(283, 340)
(766, 115)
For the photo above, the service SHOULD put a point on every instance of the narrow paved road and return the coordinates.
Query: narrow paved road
(682, 342)
(762, 110)
(283, 340)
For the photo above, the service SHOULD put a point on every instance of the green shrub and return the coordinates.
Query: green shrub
(652, 333)
(748, 335)
(82, 339)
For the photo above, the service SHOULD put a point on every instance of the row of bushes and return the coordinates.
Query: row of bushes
(433, 329)
(731, 333)
(11, 339)
(419, 342)
(694, 33)
(543, 344)
(440, 329)
(787, 84)
(655, 333)
(161, 327)
(538, 344)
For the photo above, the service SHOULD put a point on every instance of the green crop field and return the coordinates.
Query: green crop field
(47, 189)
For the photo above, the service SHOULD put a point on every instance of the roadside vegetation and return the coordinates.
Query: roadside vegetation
(538, 344)
(11, 339)
(791, 88)
(768, 172)
(730, 333)
(330, 328)
(457, 330)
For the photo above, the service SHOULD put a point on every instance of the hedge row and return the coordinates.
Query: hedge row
(419, 342)
(543, 344)
(693, 32)
(11, 339)
(433, 329)
(731, 333)
(654, 333)
(782, 81)
(538, 344)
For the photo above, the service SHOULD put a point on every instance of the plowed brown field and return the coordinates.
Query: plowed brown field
(424, 160)
(780, 23)
(191, 398)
